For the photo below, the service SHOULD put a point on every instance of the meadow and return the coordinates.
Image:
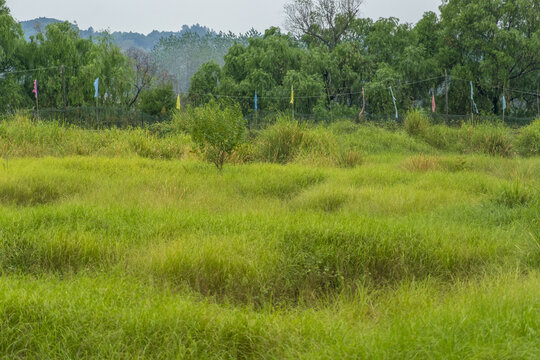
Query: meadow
(313, 242)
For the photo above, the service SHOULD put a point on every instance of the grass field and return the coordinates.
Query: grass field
(360, 243)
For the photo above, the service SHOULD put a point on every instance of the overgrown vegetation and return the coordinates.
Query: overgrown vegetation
(348, 242)
(529, 140)
(327, 52)
(217, 129)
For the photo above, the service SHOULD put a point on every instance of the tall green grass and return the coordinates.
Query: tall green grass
(409, 250)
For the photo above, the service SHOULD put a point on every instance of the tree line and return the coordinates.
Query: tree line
(338, 63)
(331, 56)
(65, 64)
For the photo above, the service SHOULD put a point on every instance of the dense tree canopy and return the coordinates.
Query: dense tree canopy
(332, 54)
(330, 57)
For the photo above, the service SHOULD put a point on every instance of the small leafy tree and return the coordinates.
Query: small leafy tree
(217, 129)
(158, 101)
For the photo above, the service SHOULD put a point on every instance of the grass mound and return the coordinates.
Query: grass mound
(274, 181)
(428, 249)
(33, 190)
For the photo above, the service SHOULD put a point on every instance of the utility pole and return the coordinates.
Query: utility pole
(446, 94)
(64, 90)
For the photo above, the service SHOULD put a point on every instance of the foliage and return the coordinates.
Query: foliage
(324, 22)
(218, 129)
(349, 159)
(330, 57)
(11, 43)
(158, 101)
(182, 55)
(528, 143)
(128, 257)
(492, 140)
(281, 142)
(416, 123)
(333, 57)
(514, 194)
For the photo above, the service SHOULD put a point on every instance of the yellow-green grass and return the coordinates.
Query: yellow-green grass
(413, 253)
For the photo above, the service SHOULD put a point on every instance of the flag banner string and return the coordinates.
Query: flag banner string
(394, 99)
(35, 90)
(96, 87)
(292, 95)
(472, 99)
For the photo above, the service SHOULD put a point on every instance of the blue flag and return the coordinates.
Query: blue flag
(394, 99)
(256, 100)
(472, 99)
(504, 103)
(96, 86)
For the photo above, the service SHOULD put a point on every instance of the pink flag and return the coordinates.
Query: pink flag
(433, 103)
(35, 88)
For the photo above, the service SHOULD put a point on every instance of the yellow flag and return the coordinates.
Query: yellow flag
(178, 105)
(292, 95)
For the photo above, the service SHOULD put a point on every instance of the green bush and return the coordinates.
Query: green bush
(491, 140)
(217, 129)
(281, 142)
(158, 101)
(443, 137)
(348, 158)
(528, 142)
(416, 123)
(513, 195)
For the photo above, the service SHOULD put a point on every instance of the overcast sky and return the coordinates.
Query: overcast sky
(234, 15)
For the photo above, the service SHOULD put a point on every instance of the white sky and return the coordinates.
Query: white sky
(169, 15)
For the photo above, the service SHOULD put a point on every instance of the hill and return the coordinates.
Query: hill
(125, 40)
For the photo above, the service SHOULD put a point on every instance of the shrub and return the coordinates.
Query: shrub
(281, 142)
(217, 129)
(455, 164)
(348, 158)
(421, 163)
(443, 137)
(513, 195)
(528, 142)
(416, 123)
(158, 101)
(491, 140)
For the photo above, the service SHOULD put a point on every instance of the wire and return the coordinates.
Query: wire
(32, 70)
(286, 96)
(508, 89)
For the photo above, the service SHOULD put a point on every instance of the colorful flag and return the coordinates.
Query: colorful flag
(504, 103)
(35, 88)
(96, 86)
(292, 95)
(256, 107)
(178, 105)
(394, 99)
(472, 99)
(433, 103)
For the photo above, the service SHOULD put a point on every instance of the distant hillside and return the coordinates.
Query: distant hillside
(125, 40)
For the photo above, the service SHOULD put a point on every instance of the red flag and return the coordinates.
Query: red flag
(35, 88)
(433, 103)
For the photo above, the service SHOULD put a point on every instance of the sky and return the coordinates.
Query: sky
(237, 16)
